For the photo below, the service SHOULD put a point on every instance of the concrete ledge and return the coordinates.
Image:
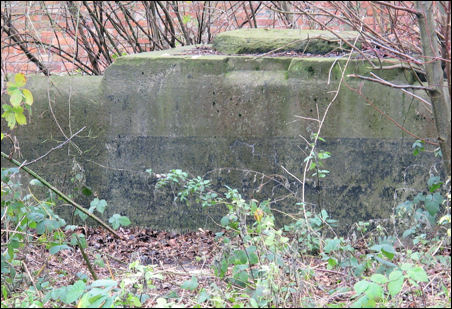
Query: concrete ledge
(249, 41)
(168, 110)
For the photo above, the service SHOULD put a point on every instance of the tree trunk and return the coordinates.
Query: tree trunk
(439, 93)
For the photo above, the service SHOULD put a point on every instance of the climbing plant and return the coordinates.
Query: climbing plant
(19, 97)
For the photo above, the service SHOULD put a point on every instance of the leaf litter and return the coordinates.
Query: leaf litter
(179, 256)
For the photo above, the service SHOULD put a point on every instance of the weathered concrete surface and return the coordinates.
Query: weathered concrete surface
(249, 41)
(224, 117)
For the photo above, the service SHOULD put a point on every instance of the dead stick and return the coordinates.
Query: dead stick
(31, 278)
(85, 257)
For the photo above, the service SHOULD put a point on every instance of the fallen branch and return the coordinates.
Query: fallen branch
(62, 195)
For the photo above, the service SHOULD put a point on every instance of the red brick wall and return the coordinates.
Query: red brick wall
(30, 19)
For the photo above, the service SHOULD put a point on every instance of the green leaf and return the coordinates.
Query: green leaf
(203, 296)
(186, 19)
(28, 107)
(162, 303)
(70, 228)
(408, 232)
(82, 215)
(133, 301)
(364, 302)
(35, 216)
(104, 283)
(438, 152)
(418, 147)
(395, 282)
(225, 221)
(361, 286)
(191, 284)
(374, 291)
(20, 118)
(10, 118)
(241, 277)
(124, 221)
(270, 239)
(11, 87)
(252, 255)
(89, 301)
(388, 251)
(81, 241)
(20, 80)
(74, 292)
(58, 294)
(323, 214)
(16, 98)
(406, 266)
(324, 155)
(433, 202)
(239, 257)
(28, 96)
(47, 225)
(420, 197)
(86, 191)
(117, 220)
(253, 303)
(223, 268)
(53, 250)
(14, 243)
(379, 278)
(99, 205)
(18, 109)
(332, 262)
(35, 182)
(332, 245)
(385, 262)
(418, 274)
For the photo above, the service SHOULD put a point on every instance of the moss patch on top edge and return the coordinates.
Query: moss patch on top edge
(262, 40)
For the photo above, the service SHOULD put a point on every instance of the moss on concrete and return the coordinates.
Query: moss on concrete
(166, 110)
(324, 68)
(245, 41)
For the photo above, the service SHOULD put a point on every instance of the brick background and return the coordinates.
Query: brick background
(32, 20)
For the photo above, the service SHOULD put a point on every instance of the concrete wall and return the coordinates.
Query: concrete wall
(166, 110)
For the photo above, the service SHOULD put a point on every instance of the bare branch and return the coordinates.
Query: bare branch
(386, 83)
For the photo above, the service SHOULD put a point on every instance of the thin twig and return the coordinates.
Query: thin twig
(397, 7)
(31, 279)
(389, 117)
(54, 148)
(386, 83)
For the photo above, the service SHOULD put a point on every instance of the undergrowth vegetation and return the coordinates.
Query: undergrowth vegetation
(402, 261)
(259, 264)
